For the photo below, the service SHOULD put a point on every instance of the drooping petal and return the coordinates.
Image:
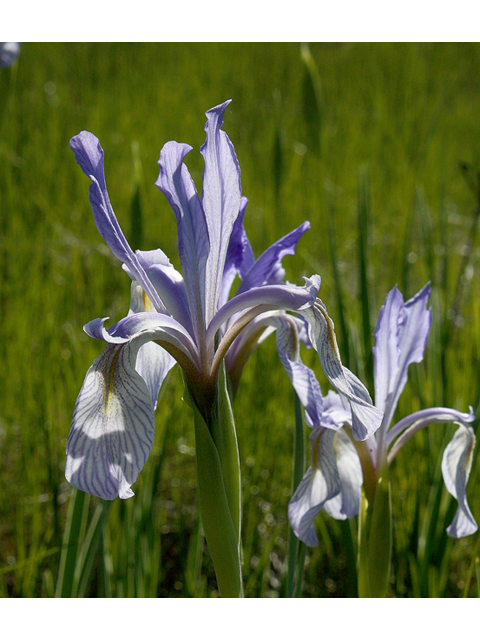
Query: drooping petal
(89, 155)
(175, 182)
(410, 425)
(275, 296)
(334, 410)
(153, 364)
(320, 483)
(366, 418)
(112, 428)
(302, 377)
(347, 503)
(221, 195)
(268, 268)
(456, 465)
(145, 327)
(400, 339)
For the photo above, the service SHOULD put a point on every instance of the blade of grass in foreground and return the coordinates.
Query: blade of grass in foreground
(79, 546)
(296, 548)
(363, 235)
(74, 527)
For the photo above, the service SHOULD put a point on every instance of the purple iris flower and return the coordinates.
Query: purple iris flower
(9, 52)
(338, 469)
(188, 318)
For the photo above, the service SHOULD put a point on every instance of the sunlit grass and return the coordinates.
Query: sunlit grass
(396, 122)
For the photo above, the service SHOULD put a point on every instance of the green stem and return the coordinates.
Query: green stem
(375, 540)
(218, 476)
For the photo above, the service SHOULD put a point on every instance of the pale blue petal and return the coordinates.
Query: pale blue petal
(112, 428)
(221, 195)
(386, 352)
(239, 258)
(418, 420)
(402, 332)
(193, 237)
(171, 288)
(153, 362)
(456, 465)
(268, 268)
(334, 408)
(89, 155)
(267, 298)
(302, 377)
(320, 484)
(347, 503)
(366, 418)
(145, 327)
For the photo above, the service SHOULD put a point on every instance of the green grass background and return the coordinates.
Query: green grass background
(369, 151)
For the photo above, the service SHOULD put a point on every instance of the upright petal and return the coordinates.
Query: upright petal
(268, 268)
(366, 418)
(168, 283)
(240, 257)
(386, 352)
(112, 428)
(171, 287)
(175, 182)
(221, 201)
(320, 483)
(456, 465)
(400, 338)
(89, 155)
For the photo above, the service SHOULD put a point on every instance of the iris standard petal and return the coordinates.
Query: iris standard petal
(171, 287)
(112, 428)
(365, 417)
(456, 465)
(413, 321)
(221, 195)
(320, 483)
(268, 268)
(386, 351)
(239, 258)
(175, 182)
(89, 155)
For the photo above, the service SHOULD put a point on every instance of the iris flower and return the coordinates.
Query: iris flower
(338, 469)
(9, 52)
(189, 317)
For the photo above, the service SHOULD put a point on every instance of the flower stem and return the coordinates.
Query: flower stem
(375, 540)
(218, 475)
